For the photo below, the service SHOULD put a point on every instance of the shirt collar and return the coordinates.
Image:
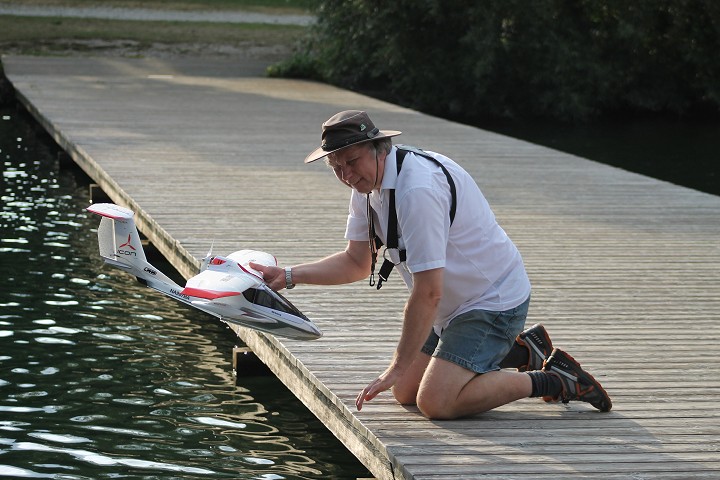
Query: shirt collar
(390, 175)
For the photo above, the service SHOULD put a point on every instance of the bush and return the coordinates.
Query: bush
(567, 59)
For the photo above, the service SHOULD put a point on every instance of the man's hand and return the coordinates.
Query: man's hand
(382, 383)
(274, 276)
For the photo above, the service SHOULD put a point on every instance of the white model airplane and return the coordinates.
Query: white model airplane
(226, 287)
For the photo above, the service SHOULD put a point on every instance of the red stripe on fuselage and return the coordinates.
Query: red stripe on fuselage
(207, 294)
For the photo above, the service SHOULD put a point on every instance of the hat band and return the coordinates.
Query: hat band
(328, 147)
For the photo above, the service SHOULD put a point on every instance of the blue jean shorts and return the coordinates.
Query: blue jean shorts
(478, 340)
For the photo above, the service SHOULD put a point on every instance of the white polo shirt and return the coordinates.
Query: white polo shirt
(483, 268)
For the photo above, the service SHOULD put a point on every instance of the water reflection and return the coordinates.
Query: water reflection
(101, 377)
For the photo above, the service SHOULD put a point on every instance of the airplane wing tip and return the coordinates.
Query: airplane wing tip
(116, 212)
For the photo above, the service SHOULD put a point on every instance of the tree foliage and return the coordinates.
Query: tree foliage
(569, 59)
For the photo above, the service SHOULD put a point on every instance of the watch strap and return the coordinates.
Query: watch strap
(288, 278)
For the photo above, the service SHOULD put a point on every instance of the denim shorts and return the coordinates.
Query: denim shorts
(478, 340)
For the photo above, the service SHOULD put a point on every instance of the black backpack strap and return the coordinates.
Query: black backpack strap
(392, 235)
(392, 230)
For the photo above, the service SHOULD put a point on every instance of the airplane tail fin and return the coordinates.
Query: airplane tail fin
(120, 246)
(118, 237)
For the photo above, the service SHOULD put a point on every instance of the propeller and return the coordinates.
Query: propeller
(208, 257)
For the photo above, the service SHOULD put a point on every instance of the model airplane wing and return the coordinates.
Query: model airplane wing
(227, 288)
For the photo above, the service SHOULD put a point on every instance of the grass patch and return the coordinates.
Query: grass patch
(20, 29)
(266, 6)
(42, 35)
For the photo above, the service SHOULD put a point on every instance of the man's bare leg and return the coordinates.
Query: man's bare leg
(449, 391)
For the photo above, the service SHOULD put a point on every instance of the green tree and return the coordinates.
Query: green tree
(568, 59)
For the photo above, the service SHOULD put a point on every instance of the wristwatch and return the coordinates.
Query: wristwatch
(288, 278)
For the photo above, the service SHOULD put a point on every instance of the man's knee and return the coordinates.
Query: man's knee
(406, 389)
(433, 408)
(435, 405)
(432, 403)
(405, 396)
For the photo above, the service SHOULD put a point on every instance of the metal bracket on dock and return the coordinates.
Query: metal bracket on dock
(247, 364)
(98, 195)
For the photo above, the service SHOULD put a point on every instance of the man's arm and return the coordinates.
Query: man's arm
(348, 266)
(419, 316)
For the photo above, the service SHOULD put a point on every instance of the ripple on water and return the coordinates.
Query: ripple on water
(54, 341)
(45, 321)
(96, 458)
(114, 336)
(62, 303)
(218, 422)
(59, 438)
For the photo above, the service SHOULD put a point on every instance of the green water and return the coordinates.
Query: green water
(103, 378)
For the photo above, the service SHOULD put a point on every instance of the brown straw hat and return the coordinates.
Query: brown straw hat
(347, 128)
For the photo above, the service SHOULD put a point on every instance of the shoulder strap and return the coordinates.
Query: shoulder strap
(402, 150)
(392, 235)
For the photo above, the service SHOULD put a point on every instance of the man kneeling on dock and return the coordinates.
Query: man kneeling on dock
(469, 292)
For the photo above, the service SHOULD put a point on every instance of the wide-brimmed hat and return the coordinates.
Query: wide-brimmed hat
(347, 128)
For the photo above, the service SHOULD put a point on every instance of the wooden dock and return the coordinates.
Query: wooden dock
(625, 268)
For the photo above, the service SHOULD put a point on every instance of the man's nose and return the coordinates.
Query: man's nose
(344, 171)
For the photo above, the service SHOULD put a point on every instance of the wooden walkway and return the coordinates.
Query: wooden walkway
(625, 269)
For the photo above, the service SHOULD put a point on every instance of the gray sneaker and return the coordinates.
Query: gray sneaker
(538, 343)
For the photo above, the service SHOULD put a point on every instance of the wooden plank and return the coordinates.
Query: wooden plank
(625, 268)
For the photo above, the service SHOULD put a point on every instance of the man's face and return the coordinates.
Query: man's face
(357, 167)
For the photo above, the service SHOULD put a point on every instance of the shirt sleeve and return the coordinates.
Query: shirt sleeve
(357, 222)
